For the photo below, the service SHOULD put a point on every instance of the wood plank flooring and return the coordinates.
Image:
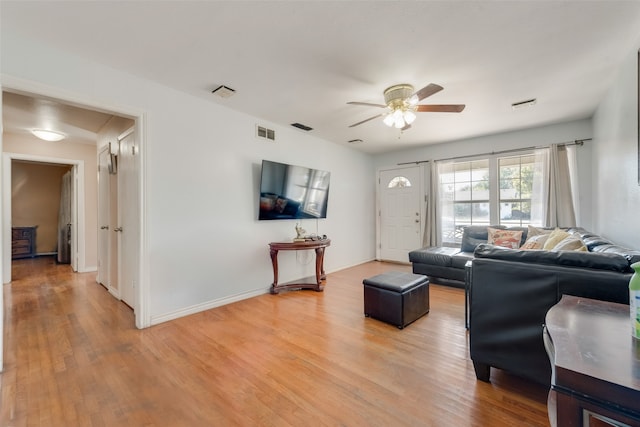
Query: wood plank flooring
(74, 358)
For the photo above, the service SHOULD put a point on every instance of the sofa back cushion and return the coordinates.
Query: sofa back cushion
(601, 261)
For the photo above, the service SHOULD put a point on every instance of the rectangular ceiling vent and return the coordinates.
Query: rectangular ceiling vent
(265, 133)
(523, 104)
(301, 126)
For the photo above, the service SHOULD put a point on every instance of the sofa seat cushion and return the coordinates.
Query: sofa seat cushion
(440, 256)
(460, 259)
(602, 261)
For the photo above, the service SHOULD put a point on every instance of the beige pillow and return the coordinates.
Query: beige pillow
(535, 231)
(535, 242)
(555, 237)
(505, 238)
(571, 243)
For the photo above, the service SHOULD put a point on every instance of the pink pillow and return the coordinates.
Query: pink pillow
(505, 238)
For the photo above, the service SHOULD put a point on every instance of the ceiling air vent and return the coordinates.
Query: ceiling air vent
(265, 133)
(355, 141)
(223, 91)
(301, 126)
(523, 104)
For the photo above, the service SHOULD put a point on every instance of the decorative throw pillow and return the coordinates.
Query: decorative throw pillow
(535, 231)
(535, 242)
(555, 237)
(571, 243)
(504, 238)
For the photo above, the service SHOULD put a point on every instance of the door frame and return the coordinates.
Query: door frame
(28, 87)
(421, 202)
(77, 208)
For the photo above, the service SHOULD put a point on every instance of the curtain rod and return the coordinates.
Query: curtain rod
(578, 142)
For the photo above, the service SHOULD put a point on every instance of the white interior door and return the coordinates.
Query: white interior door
(128, 219)
(400, 218)
(75, 176)
(103, 219)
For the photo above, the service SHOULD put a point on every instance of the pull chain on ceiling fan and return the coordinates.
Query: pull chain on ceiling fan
(402, 103)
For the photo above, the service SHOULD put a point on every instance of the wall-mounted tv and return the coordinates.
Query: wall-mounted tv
(292, 192)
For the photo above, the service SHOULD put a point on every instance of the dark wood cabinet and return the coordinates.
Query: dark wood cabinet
(23, 242)
(595, 363)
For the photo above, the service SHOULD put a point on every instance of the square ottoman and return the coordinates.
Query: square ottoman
(396, 298)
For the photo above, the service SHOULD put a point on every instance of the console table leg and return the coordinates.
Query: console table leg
(274, 262)
(319, 268)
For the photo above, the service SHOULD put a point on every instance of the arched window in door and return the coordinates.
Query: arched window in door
(399, 182)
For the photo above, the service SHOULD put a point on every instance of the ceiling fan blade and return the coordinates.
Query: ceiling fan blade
(452, 108)
(365, 120)
(428, 90)
(368, 104)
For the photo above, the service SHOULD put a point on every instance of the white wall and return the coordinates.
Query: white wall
(541, 136)
(616, 202)
(204, 242)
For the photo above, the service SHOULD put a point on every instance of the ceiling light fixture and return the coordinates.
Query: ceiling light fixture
(48, 135)
(402, 105)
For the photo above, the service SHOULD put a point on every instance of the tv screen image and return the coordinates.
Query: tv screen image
(292, 192)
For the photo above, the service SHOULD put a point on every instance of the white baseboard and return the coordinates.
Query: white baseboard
(206, 306)
(226, 300)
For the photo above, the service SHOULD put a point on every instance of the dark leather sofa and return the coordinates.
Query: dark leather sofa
(512, 290)
(445, 265)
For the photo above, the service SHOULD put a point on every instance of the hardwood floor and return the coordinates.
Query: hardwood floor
(74, 358)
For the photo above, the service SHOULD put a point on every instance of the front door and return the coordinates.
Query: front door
(400, 218)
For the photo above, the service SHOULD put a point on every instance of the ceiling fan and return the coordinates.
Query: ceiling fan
(402, 103)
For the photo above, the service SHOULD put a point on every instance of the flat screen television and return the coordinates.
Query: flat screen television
(292, 192)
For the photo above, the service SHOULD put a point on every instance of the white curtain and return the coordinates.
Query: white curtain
(560, 211)
(540, 188)
(430, 236)
(572, 157)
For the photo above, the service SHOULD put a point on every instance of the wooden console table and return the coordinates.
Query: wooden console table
(595, 363)
(306, 283)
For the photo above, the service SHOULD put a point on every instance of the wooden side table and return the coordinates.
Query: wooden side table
(23, 242)
(595, 363)
(315, 283)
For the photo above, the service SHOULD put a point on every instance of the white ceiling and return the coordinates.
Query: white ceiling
(21, 113)
(302, 61)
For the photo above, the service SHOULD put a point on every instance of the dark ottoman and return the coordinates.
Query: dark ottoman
(396, 298)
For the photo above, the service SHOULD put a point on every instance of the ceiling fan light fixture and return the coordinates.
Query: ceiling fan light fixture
(409, 116)
(389, 120)
(48, 135)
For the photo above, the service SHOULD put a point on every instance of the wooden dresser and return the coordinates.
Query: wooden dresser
(23, 242)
